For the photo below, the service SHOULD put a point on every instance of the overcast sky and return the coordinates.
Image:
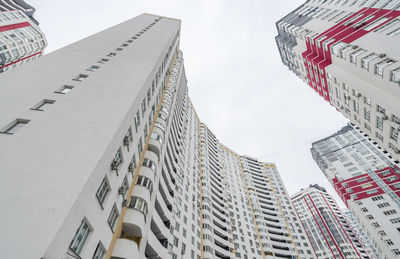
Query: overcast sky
(237, 82)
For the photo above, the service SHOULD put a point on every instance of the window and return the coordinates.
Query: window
(132, 164)
(387, 25)
(354, 55)
(80, 77)
(375, 24)
(394, 33)
(389, 212)
(395, 220)
(356, 106)
(146, 182)
(139, 204)
(43, 105)
(371, 191)
(111, 54)
(124, 186)
(128, 138)
(137, 121)
(150, 164)
(117, 161)
(103, 61)
(365, 61)
(143, 106)
(396, 75)
(14, 126)
(102, 192)
(394, 133)
(80, 237)
(100, 252)
(93, 68)
(113, 217)
(367, 114)
(64, 90)
(140, 146)
(379, 123)
(381, 65)
(148, 97)
(382, 205)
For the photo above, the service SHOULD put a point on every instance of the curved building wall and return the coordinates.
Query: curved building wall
(123, 166)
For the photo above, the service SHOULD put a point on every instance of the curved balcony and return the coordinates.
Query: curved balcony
(134, 223)
(156, 248)
(126, 249)
(142, 192)
(150, 160)
(155, 142)
(147, 172)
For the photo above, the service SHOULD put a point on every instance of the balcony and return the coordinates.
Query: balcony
(155, 142)
(134, 223)
(126, 249)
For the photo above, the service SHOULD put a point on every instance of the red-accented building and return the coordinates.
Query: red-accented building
(367, 179)
(20, 37)
(326, 226)
(347, 51)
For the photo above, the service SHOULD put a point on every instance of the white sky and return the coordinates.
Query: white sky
(237, 82)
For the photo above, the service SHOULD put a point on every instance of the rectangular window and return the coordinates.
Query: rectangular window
(103, 61)
(354, 55)
(100, 252)
(14, 126)
(102, 192)
(394, 33)
(148, 97)
(80, 77)
(43, 105)
(367, 114)
(132, 164)
(396, 76)
(80, 237)
(143, 106)
(140, 146)
(93, 68)
(387, 25)
(394, 133)
(379, 123)
(137, 121)
(365, 61)
(375, 23)
(396, 119)
(380, 66)
(64, 90)
(113, 217)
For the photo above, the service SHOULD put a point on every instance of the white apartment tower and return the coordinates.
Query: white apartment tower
(102, 155)
(368, 181)
(347, 51)
(326, 226)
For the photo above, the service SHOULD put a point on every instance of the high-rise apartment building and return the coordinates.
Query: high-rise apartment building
(361, 236)
(20, 37)
(368, 181)
(325, 225)
(347, 51)
(104, 156)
